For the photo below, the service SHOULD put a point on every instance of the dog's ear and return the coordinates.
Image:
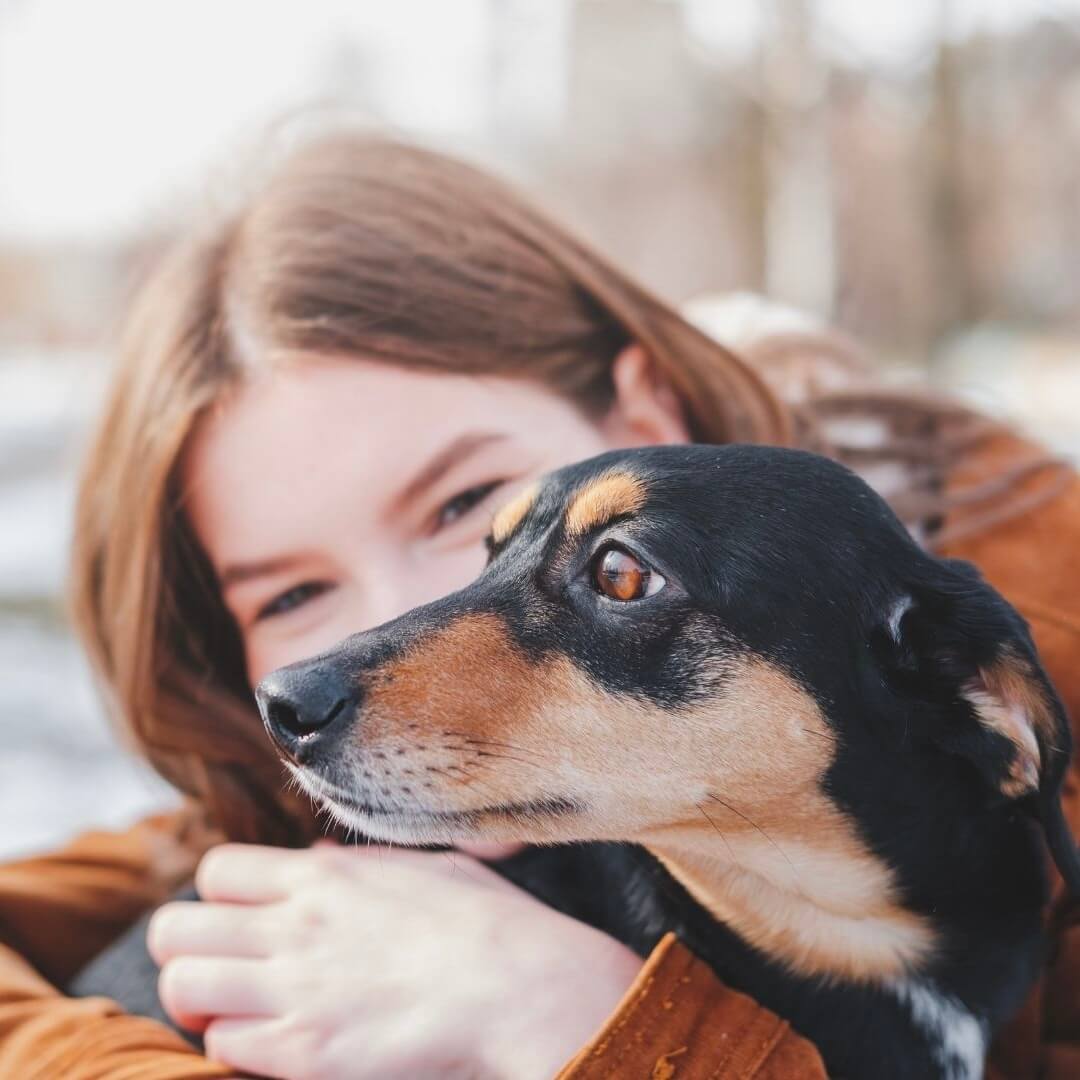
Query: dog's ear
(954, 639)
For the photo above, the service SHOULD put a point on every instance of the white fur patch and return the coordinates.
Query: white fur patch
(899, 609)
(957, 1039)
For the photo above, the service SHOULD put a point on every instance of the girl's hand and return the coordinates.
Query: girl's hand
(362, 962)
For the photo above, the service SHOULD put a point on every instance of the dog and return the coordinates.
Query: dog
(747, 707)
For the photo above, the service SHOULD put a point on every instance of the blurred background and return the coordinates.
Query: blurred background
(906, 170)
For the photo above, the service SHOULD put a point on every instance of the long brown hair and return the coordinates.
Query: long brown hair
(361, 246)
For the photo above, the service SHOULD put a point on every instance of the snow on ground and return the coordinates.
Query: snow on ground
(61, 767)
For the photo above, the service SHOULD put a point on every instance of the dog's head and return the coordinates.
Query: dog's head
(738, 642)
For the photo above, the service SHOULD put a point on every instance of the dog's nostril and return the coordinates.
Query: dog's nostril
(300, 704)
(285, 718)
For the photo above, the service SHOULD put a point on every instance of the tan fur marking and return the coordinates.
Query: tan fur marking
(467, 677)
(608, 496)
(876, 943)
(510, 516)
(780, 863)
(1010, 701)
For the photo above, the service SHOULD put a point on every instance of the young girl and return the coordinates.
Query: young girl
(320, 401)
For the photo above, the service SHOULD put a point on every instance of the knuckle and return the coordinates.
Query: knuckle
(307, 916)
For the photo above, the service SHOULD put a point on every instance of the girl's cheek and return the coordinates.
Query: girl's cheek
(285, 639)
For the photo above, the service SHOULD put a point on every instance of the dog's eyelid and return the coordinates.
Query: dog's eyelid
(609, 537)
(631, 546)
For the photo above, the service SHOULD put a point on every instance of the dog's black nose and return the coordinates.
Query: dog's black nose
(302, 705)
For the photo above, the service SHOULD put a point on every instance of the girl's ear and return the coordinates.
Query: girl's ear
(646, 410)
(959, 641)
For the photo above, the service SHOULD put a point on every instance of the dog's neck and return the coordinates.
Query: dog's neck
(823, 919)
(822, 910)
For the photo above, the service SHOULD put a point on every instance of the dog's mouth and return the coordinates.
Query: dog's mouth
(395, 815)
(531, 808)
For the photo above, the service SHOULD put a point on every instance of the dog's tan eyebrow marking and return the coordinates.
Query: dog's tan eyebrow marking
(609, 495)
(510, 516)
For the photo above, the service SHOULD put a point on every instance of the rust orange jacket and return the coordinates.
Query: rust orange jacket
(677, 1020)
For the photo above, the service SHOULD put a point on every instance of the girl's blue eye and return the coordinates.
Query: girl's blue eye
(461, 504)
(292, 599)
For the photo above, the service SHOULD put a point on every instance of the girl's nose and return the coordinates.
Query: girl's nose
(396, 581)
(386, 599)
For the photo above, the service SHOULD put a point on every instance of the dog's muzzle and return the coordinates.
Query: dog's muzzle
(303, 707)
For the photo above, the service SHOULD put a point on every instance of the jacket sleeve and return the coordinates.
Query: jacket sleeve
(1034, 561)
(678, 1020)
(1058, 1016)
(56, 912)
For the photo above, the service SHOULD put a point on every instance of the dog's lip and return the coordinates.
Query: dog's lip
(533, 807)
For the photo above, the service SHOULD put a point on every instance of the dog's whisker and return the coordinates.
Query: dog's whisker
(506, 757)
(754, 825)
(820, 734)
(457, 868)
(719, 832)
(474, 782)
(468, 738)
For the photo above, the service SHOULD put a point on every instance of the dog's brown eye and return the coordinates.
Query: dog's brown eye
(620, 576)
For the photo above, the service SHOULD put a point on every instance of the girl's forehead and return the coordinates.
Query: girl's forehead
(287, 447)
(392, 403)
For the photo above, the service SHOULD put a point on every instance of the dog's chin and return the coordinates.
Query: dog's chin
(396, 826)
(534, 821)
(537, 822)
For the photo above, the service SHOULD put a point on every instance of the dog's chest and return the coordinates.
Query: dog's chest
(907, 1031)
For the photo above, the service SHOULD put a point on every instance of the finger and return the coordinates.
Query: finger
(208, 929)
(255, 1046)
(249, 873)
(197, 986)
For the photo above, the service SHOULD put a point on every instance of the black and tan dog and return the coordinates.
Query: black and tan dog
(829, 761)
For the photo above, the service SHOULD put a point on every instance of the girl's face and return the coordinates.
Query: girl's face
(333, 495)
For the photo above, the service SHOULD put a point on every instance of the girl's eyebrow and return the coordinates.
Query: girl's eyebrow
(461, 448)
(238, 573)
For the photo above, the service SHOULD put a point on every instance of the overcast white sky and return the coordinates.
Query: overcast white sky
(109, 109)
